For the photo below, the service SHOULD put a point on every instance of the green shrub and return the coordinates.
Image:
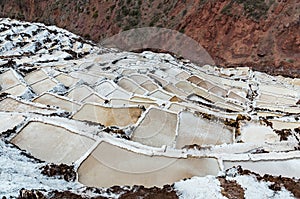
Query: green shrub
(112, 7)
(133, 22)
(290, 61)
(118, 16)
(227, 9)
(125, 10)
(134, 13)
(154, 20)
(87, 36)
(95, 15)
(159, 6)
(254, 9)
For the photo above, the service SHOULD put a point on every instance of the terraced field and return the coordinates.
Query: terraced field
(124, 118)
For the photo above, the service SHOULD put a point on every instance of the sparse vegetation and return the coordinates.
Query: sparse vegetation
(227, 9)
(134, 12)
(159, 6)
(254, 9)
(118, 16)
(95, 15)
(290, 61)
(202, 2)
(112, 7)
(154, 20)
(133, 22)
(129, 13)
(21, 16)
(125, 10)
(87, 36)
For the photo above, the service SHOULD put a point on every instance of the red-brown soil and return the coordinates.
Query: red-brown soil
(231, 189)
(167, 192)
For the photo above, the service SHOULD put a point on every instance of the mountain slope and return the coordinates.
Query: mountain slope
(260, 34)
(82, 121)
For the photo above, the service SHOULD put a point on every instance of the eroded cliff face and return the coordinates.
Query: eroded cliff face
(264, 35)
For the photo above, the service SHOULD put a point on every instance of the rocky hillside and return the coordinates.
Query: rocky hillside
(262, 34)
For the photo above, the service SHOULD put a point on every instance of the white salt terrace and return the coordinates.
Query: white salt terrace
(137, 169)
(80, 93)
(17, 90)
(9, 121)
(197, 130)
(157, 128)
(13, 105)
(8, 80)
(64, 104)
(289, 166)
(51, 143)
(108, 116)
(181, 120)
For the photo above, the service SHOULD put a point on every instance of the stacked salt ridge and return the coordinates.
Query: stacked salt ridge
(138, 118)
